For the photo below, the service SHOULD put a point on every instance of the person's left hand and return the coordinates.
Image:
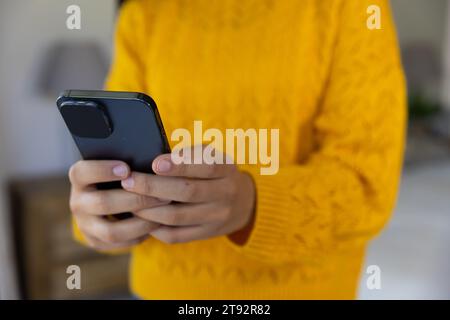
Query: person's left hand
(209, 200)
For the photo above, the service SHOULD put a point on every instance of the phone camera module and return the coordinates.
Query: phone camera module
(86, 119)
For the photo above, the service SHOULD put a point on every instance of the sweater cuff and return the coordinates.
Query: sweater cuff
(272, 218)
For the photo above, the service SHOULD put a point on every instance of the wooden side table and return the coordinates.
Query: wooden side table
(45, 247)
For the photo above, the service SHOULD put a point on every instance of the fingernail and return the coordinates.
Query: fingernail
(128, 183)
(163, 165)
(120, 170)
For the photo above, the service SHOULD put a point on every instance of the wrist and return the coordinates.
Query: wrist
(241, 235)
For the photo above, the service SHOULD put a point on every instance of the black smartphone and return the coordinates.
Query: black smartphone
(114, 125)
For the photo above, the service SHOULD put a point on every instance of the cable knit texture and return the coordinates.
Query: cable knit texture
(334, 88)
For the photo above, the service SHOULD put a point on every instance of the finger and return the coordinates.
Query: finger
(115, 231)
(172, 235)
(182, 214)
(103, 202)
(102, 246)
(84, 173)
(164, 165)
(175, 188)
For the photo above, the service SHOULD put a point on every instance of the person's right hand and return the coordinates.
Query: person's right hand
(89, 206)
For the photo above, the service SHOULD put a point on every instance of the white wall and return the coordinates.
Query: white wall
(446, 83)
(426, 20)
(421, 20)
(32, 137)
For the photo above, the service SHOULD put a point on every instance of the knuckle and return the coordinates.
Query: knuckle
(107, 234)
(174, 219)
(141, 202)
(145, 184)
(191, 190)
(170, 238)
(99, 203)
(91, 243)
(74, 205)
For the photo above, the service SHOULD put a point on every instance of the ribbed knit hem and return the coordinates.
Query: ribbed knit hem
(149, 281)
(272, 218)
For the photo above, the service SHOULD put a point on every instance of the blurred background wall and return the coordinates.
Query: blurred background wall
(33, 140)
(424, 22)
(413, 252)
(421, 20)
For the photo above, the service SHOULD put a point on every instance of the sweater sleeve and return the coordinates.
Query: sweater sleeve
(127, 71)
(344, 193)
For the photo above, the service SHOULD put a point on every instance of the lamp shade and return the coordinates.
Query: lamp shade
(73, 66)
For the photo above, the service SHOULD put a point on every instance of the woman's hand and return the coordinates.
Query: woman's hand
(210, 200)
(89, 206)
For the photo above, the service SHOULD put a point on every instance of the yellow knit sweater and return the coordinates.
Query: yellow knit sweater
(334, 88)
